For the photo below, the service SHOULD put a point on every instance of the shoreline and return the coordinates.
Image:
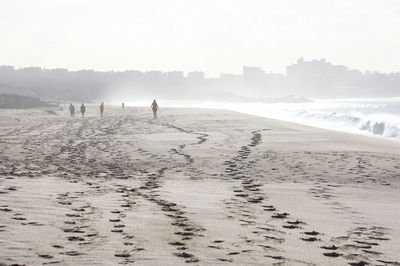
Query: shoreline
(355, 133)
(390, 139)
(247, 108)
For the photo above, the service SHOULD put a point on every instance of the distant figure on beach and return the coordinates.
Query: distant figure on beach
(72, 109)
(101, 109)
(83, 110)
(123, 106)
(154, 107)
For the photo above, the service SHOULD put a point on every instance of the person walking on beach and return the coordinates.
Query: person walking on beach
(154, 107)
(123, 106)
(101, 109)
(72, 110)
(83, 110)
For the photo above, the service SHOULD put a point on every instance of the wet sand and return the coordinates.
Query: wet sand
(206, 187)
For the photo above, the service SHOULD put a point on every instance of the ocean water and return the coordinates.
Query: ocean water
(379, 117)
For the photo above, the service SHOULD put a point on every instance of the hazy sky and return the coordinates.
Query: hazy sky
(209, 35)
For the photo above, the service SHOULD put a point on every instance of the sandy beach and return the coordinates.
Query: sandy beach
(198, 186)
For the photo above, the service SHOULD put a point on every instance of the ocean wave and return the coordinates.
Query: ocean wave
(378, 117)
(374, 117)
(382, 124)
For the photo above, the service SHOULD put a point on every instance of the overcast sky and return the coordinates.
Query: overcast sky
(208, 35)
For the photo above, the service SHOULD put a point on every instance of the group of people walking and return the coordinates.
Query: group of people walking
(72, 110)
(154, 108)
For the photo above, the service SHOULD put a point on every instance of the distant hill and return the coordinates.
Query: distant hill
(19, 98)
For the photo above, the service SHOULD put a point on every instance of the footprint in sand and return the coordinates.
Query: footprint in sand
(233, 253)
(312, 233)
(19, 218)
(5, 209)
(75, 238)
(333, 247)
(226, 260)
(290, 226)
(73, 253)
(123, 254)
(360, 263)
(190, 258)
(176, 243)
(332, 254)
(295, 222)
(280, 215)
(310, 239)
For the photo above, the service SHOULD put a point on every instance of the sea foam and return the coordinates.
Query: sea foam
(376, 117)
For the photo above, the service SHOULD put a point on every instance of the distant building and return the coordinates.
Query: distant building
(230, 77)
(314, 68)
(255, 80)
(154, 75)
(195, 76)
(195, 81)
(253, 73)
(175, 76)
(316, 78)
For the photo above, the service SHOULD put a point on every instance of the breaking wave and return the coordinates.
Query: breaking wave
(378, 117)
(375, 117)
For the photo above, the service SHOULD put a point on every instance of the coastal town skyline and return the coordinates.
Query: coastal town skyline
(316, 78)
